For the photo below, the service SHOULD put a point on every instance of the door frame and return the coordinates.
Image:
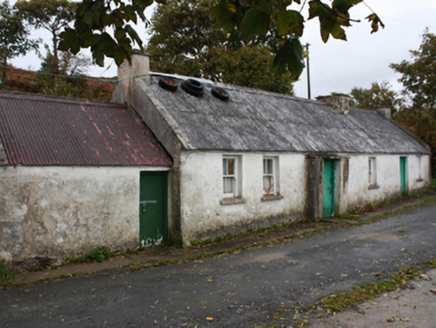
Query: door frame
(403, 175)
(332, 193)
(164, 219)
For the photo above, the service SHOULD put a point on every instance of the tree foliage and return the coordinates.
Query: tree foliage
(380, 94)
(419, 81)
(419, 76)
(14, 37)
(185, 41)
(254, 18)
(52, 15)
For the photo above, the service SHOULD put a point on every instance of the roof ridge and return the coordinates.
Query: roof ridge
(58, 99)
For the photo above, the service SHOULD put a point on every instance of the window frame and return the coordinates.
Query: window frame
(235, 176)
(372, 173)
(274, 175)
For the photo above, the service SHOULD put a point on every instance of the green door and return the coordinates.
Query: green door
(403, 165)
(152, 208)
(328, 203)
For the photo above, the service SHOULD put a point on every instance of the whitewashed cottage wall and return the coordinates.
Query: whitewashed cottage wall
(202, 190)
(67, 211)
(388, 178)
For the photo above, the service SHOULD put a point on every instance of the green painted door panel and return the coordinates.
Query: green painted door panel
(403, 165)
(328, 204)
(152, 208)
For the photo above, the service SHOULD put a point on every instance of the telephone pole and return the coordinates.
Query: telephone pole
(308, 71)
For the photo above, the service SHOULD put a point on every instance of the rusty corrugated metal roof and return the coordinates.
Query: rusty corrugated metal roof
(41, 130)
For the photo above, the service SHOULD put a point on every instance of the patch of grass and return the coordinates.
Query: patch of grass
(341, 301)
(98, 254)
(249, 232)
(6, 275)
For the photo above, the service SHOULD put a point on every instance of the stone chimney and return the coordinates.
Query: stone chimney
(383, 110)
(339, 101)
(139, 68)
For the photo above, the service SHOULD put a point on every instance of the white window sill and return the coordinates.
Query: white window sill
(232, 201)
(373, 186)
(269, 198)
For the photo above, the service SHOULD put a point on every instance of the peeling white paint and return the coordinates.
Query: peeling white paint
(68, 211)
(202, 189)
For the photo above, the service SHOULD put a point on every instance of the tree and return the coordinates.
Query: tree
(379, 94)
(14, 39)
(419, 76)
(185, 41)
(419, 81)
(52, 15)
(255, 18)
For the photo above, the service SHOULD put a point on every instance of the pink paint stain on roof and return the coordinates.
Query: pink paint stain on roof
(38, 130)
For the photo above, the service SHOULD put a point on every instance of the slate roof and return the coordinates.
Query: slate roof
(38, 130)
(254, 120)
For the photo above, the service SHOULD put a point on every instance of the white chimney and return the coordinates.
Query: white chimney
(383, 111)
(139, 68)
(339, 101)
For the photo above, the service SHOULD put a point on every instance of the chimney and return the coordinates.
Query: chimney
(139, 68)
(383, 110)
(339, 101)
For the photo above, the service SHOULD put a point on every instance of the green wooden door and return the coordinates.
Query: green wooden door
(328, 203)
(403, 165)
(152, 208)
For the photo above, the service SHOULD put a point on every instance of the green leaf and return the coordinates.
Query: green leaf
(69, 41)
(133, 35)
(290, 56)
(255, 23)
(344, 5)
(290, 22)
(223, 16)
(375, 21)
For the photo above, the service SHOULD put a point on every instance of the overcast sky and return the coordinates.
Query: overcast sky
(337, 66)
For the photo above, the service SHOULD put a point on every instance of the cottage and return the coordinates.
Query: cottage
(247, 158)
(76, 174)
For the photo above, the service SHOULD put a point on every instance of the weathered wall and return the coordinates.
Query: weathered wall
(202, 189)
(388, 178)
(67, 211)
(203, 216)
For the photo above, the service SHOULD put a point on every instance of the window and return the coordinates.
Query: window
(419, 170)
(372, 172)
(230, 176)
(270, 176)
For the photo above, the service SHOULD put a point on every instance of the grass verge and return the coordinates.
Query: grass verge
(338, 302)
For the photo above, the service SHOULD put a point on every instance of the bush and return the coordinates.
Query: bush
(100, 254)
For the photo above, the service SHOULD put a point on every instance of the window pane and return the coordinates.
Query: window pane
(268, 166)
(268, 184)
(231, 166)
(224, 166)
(229, 185)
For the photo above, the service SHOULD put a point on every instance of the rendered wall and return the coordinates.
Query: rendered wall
(203, 216)
(67, 211)
(388, 178)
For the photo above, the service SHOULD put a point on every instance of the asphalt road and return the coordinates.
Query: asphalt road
(245, 289)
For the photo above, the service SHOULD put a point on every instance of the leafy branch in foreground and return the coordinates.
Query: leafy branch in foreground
(255, 18)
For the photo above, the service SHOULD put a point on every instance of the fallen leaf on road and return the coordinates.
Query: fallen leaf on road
(209, 319)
